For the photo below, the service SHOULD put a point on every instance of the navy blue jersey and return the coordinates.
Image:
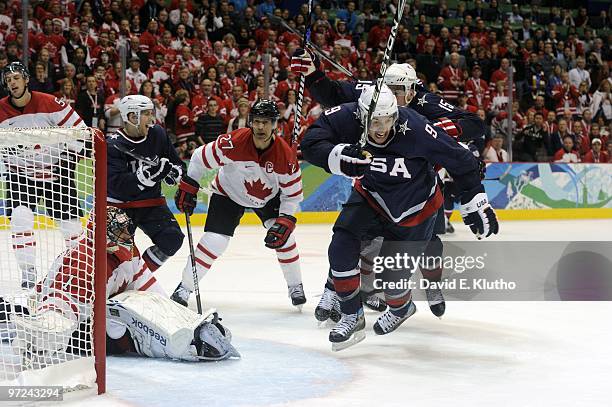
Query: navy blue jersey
(123, 185)
(401, 182)
(332, 93)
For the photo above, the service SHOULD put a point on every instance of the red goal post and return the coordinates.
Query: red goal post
(52, 179)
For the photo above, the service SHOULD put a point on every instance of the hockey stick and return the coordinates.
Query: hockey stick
(383, 70)
(313, 47)
(297, 119)
(194, 270)
(132, 154)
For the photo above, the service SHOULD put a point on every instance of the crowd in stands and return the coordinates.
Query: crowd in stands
(201, 62)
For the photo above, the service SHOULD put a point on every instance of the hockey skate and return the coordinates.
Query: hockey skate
(437, 305)
(348, 332)
(296, 293)
(389, 322)
(328, 307)
(373, 301)
(181, 295)
(28, 278)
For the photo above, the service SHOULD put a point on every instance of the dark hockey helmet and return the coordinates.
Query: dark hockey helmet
(265, 108)
(118, 229)
(14, 67)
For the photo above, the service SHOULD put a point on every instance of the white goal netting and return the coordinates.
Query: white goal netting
(47, 256)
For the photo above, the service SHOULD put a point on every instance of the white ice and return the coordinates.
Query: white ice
(478, 354)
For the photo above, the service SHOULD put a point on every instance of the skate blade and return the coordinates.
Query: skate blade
(353, 340)
(299, 307)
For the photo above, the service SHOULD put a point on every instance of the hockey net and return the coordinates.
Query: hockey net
(52, 257)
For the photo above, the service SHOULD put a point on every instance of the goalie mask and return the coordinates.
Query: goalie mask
(384, 116)
(401, 79)
(118, 229)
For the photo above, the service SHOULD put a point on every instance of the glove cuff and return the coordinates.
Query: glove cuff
(189, 185)
(334, 159)
(478, 202)
(290, 217)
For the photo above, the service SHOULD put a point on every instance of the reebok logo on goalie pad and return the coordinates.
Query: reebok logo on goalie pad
(143, 327)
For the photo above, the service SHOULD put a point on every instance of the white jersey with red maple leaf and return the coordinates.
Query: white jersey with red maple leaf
(247, 176)
(43, 110)
(68, 288)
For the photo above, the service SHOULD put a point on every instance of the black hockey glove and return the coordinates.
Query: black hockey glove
(174, 175)
(279, 232)
(186, 197)
(148, 175)
(478, 214)
(349, 160)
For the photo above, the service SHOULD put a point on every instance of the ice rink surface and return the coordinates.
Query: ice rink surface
(478, 354)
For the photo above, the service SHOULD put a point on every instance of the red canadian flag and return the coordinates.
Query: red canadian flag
(257, 189)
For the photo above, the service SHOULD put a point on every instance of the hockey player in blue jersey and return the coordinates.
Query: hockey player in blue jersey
(135, 185)
(396, 195)
(462, 125)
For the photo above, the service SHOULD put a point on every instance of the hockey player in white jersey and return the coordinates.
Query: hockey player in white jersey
(256, 170)
(44, 174)
(136, 307)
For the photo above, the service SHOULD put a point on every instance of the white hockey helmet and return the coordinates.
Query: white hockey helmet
(134, 104)
(385, 106)
(384, 116)
(402, 75)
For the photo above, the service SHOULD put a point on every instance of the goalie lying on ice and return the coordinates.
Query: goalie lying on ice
(140, 316)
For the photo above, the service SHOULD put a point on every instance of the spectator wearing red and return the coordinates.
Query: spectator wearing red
(477, 90)
(341, 31)
(287, 36)
(104, 45)
(230, 80)
(165, 47)
(200, 99)
(229, 108)
(184, 125)
(500, 74)
(149, 38)
(567, 154)
(377, 38)
(159, 71)
(595, 154)
(262, 33)
(582, 143)
(451, 80)
(565, 96)
(52, 42)
(284, 86)
(422, 37)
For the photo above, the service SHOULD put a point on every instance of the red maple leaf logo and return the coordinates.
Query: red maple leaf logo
(257, 189)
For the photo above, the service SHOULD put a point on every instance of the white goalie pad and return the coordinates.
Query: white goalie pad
(160, 327)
